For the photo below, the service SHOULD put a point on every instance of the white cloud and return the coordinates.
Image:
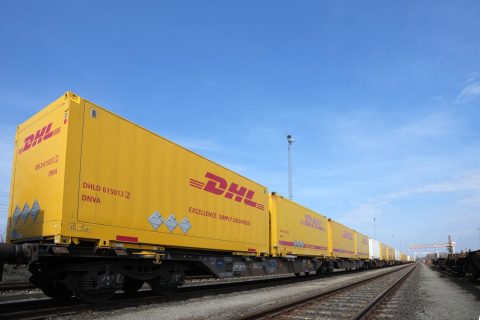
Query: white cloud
(469, 92)
(436, 124)
(371, 133)
(472, 77)
(465, 182)
(471, 201)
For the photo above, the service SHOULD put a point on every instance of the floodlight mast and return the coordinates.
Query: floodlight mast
(290, 140)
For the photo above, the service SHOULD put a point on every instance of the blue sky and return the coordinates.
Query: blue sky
(382, 98)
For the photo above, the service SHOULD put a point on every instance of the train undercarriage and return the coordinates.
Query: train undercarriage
(465, 263)
(94, 274)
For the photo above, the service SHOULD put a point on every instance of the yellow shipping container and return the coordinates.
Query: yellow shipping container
(341, 242)
(383, 252)
(390, 253)
(361, 246)
(82, 173)
(296, 230)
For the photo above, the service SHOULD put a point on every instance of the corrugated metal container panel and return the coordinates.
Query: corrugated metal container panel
(296, 230)
(374, 247)
(390, 253)
(383, 252)
(397, 255)
(341, 242)
(133, 186)
(46, 157)
(361, 246)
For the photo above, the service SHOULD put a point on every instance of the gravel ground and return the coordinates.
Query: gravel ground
(14, 273)
(427, 294)
(234, 305)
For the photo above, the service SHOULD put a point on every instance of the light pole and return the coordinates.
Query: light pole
(374, 230)
(478, 229)
(290, 140)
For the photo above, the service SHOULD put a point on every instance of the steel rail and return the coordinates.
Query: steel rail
(277, 311)
(15, 286)
(46, 307)
(370, 307)
(34, 309)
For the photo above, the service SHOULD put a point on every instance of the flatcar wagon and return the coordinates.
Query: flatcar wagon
(100, 204)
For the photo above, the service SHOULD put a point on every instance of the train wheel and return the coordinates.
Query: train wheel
(474, 273)
(166, 284)
(131, 286)
(322, 270)
(85, 289)
(56, 291)
(163, 290)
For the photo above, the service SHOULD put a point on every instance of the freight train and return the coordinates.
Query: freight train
(464, 263)
(99, 204)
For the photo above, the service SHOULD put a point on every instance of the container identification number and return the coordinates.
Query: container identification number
(107, 190)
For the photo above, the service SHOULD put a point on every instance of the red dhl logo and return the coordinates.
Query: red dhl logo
(311, 222)
(347, 235)
(41, 134)
(219, 186)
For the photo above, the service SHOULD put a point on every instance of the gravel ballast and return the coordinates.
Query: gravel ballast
(428, 294)
(239, 304)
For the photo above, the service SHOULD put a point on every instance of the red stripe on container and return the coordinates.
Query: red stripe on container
(307, 246)
(286, 243)
(127, 239)
(252, 250)
(196, 185)
(342, 251)
(312, 246)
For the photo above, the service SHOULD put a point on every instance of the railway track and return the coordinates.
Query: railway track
(39, 308)
(357, 300)
(15, 286)
(46, 308)
(190, 281)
